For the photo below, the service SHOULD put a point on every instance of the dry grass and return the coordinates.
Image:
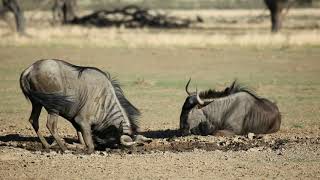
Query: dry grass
(86, 37)
(221, 28)
(154, 80)
(154, 64)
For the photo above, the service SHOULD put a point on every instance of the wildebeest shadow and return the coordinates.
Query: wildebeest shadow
(19, 138)
(162, 134)
(155, 134)
(166, 142)
(33, 143)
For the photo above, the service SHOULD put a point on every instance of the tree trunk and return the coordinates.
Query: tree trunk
(13, 6)
(276, 21)
(275, 7)
(64, 11)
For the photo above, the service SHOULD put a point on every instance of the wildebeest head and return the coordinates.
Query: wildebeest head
(192, 119)
(192, 104)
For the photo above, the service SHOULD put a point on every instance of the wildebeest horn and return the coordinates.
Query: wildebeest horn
(126, 140)
(188, 86)
(141, 139)
(198, 98)
(202, 102)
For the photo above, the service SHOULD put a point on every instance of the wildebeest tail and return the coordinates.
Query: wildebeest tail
(24, 84)
(53, 102)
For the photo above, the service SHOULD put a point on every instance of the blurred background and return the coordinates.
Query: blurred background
(154, 46)
(225, 21)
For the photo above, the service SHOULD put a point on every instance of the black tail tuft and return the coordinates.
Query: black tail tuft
(53, 102)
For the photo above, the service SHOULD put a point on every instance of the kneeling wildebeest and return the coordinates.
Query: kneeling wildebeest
(87, 97)
(236, 110)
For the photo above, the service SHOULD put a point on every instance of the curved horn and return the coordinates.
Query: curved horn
(187, 87)
(141, 139)
(198, 98)
(126, 141)
(202, 102)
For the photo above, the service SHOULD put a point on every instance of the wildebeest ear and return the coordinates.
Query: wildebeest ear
(226, 90)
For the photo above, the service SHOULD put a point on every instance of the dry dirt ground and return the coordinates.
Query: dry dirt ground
(154, 79)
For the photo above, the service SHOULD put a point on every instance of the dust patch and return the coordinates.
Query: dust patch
(167, 141)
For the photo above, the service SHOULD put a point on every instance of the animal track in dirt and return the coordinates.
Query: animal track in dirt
(168, 141)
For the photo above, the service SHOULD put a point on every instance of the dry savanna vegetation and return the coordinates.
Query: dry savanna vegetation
(220, 28)
(153, 66)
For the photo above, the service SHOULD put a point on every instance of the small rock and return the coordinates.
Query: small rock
(237, 139)
(279, 153)
(251, 136)
(37, 152)
(255, 149)
(53, 152)
(67, 152)
(102, 153)
(266, 138)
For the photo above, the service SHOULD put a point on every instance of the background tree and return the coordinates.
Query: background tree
(64, 10)
(13, 6)
(276, 7)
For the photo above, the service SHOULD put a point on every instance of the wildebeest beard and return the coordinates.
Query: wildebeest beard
(106, 138)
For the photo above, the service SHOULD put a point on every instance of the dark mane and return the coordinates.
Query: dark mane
(234, 88)
(80, 69)
(132, 112)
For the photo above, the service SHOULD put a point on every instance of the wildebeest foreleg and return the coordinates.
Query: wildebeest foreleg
(34, 120)
(80, 138)
(86, 133)
(79, 134)
(75, 125)
(52, 126)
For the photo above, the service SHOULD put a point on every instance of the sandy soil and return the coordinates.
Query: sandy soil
(194, 157)
(286, 75)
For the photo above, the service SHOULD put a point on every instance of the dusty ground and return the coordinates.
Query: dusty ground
(154, 80)
(153, 67)
(266, 158)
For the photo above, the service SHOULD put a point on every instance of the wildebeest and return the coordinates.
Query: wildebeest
(86, 96)
(236, 110)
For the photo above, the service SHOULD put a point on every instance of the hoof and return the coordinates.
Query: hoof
(90, 150)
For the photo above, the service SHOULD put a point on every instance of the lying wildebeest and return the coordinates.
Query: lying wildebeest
(236, 110)
(89, 98)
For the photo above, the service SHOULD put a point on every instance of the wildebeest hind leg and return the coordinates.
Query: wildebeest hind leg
(55, 127)
(34, 120)
(52, 126)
